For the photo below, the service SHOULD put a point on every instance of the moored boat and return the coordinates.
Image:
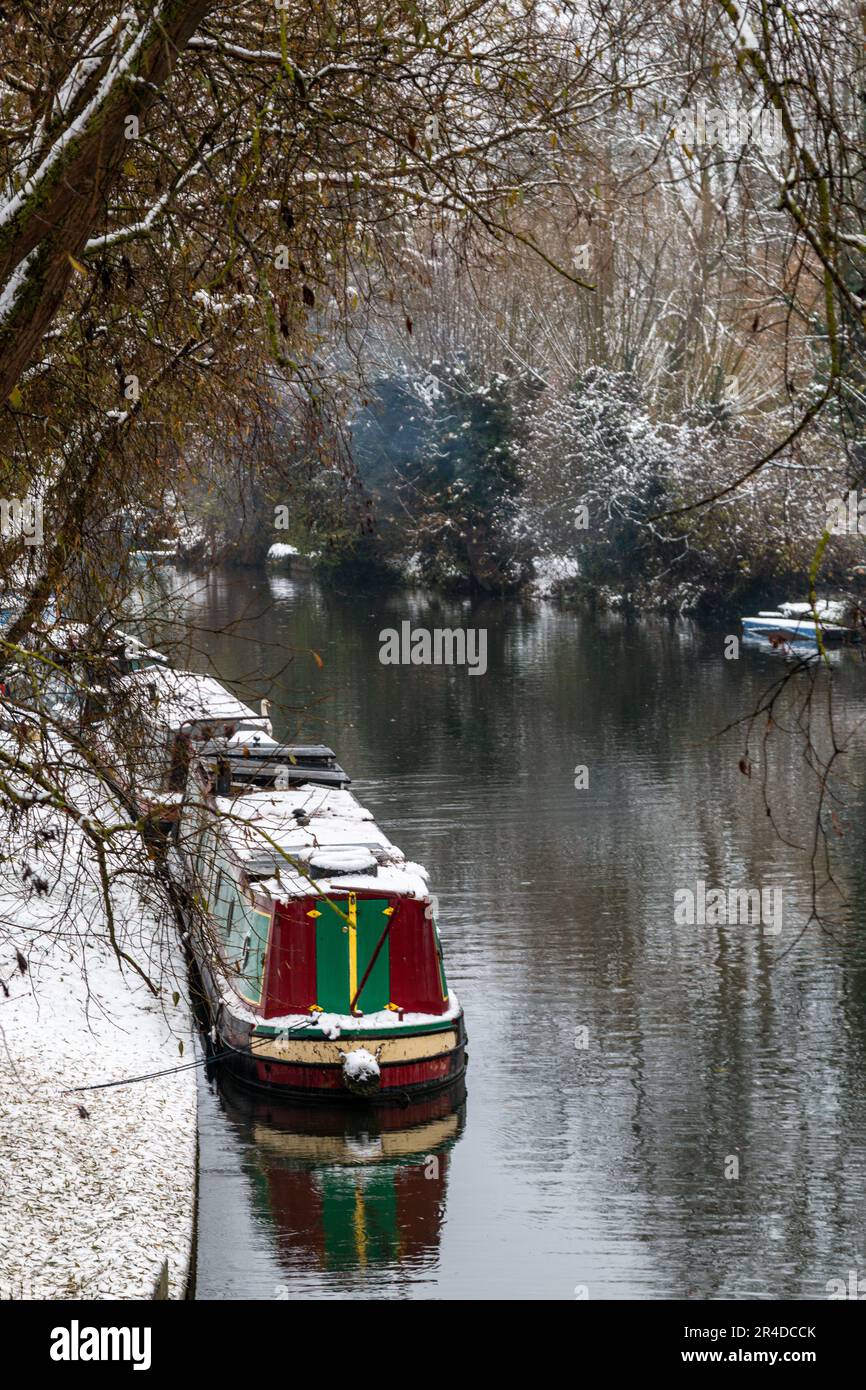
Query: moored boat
(315, 938)
(795, 622)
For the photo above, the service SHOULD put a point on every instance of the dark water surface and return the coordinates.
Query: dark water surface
(597, 1170)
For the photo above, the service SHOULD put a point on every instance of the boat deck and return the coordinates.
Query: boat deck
(325, 833)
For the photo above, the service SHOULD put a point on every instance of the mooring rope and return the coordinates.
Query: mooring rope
(183, 1066)
(149, 1075)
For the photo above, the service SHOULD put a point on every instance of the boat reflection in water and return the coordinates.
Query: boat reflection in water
(347, 1190)
(804, 653)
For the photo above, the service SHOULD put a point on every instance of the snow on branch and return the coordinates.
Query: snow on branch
(119, 67)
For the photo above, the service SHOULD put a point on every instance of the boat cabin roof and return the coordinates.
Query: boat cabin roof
(187, 701)
(333, 840)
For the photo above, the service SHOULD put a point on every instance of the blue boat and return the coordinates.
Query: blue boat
(795, 622)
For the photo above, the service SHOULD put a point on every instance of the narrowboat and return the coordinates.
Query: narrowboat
(316, 940)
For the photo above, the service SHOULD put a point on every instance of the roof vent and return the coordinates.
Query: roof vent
(330, 863)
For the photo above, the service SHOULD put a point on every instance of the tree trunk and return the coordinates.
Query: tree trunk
(54, 219)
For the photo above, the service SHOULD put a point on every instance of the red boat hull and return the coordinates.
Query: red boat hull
(312, 1081)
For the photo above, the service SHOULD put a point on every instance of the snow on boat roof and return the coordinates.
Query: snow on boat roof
(185, 697)
(826, 607)
(830, 612)
(260, 826)
(136, 648)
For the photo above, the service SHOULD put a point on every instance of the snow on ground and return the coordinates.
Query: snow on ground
(93, 1205)
(98, 1186)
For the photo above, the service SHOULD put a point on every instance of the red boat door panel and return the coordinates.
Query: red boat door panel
(416, 981)
(290, 971)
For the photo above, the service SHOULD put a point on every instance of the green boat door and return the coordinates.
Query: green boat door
(345, 944)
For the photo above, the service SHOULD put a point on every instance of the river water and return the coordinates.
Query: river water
(653, 1110)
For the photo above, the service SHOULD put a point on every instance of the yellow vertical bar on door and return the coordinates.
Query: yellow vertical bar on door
(353, 945)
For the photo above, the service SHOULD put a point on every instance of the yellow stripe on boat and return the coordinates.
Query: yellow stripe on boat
(327, 1053)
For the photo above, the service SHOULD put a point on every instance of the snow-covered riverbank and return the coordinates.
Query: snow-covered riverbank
(98, 1186)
